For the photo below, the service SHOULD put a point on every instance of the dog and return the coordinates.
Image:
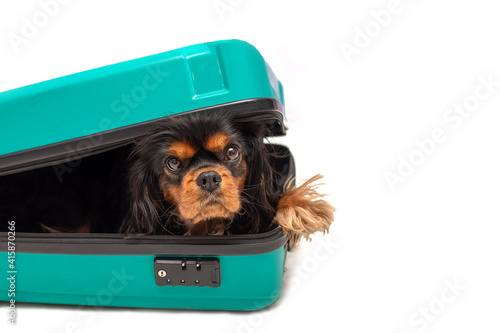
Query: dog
(194, 174)
(208, 174)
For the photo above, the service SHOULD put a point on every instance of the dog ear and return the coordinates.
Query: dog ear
(142, 216)
(259, 196)
(302, 211)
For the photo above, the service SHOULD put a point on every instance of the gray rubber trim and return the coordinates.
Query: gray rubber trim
(117, 244)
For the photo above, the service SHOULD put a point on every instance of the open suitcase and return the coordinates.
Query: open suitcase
(95, 112)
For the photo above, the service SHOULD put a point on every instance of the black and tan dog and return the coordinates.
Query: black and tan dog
(201, 174)
(195, 174)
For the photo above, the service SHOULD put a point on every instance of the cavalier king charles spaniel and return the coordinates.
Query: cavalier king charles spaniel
(208, 174)
(194, 174)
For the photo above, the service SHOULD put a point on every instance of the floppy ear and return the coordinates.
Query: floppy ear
(259, 196)
(302, 211)
(142, 216)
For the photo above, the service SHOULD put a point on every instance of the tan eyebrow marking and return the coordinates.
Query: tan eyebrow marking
(217, 142)
(182, 150)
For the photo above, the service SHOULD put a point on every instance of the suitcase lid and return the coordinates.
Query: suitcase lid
(81, 114)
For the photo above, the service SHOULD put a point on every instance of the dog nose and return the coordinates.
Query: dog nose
(209, 181)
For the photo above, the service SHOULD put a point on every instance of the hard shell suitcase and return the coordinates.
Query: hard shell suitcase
(97, 111)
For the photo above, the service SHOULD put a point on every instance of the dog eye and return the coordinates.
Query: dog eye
(232, 153)
(174, 164)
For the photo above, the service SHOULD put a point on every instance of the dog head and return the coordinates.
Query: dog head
(200, 174)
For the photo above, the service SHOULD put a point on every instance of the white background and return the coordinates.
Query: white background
(391, 252)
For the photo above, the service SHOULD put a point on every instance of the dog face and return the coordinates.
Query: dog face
(204, 175)
(200, 174)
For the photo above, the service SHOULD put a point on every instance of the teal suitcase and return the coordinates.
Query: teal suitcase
(97, 111)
